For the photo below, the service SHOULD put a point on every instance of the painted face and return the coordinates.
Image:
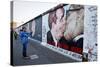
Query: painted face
(60, 28)
(75, 24)
(59, 13)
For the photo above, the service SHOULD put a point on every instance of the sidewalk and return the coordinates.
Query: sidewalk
(45, 55)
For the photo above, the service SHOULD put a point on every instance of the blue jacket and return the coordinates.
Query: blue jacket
(24, 37)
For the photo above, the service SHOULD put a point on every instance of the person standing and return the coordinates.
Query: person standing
(24, 40)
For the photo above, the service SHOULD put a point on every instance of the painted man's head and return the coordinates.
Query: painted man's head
(57, 22)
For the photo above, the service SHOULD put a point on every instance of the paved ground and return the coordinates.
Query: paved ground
(46, 56)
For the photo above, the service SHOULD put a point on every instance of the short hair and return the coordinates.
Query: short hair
(23, 28)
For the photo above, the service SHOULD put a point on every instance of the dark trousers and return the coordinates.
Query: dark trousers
(24, 50)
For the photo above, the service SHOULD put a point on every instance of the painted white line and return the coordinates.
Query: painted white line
(73, 55)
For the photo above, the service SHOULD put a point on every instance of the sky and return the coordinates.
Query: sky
(24, 11)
